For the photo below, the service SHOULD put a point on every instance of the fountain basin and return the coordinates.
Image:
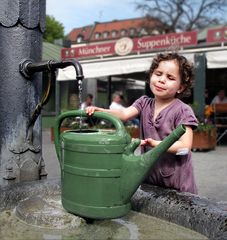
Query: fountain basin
(187, 210)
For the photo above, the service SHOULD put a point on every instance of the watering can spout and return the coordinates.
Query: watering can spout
(136, 168)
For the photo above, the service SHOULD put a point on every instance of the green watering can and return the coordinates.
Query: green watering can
(99, 171)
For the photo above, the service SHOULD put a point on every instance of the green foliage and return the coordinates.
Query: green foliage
(205, 127)
(195, 107)
(205, 124)
(54, 29)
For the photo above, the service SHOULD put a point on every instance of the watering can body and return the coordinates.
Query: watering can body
(99, 171)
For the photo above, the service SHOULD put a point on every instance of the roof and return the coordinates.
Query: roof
(51, 51)
(119, 24)
(85, 31)
(88, 32)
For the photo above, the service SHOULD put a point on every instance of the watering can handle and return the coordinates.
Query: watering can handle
(120, 129)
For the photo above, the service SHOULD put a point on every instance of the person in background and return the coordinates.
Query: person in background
(171, 77)
(87, 102)
(116, 103)
(220, 97)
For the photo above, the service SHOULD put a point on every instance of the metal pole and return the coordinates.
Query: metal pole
(200, 84)
(57, 98)
(109, 90)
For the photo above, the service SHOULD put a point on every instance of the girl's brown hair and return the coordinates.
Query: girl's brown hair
(185, 67)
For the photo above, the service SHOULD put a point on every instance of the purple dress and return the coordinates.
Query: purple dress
(171, 170)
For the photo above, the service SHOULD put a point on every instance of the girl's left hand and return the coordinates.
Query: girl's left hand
(147, 141)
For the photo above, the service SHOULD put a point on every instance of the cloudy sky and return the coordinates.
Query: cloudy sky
(78, 13)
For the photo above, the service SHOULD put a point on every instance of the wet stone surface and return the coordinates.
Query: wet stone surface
(154, 203)
(188, 210)
(44, 218)
(47, 212)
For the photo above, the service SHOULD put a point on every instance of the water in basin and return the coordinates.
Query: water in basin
(46, 219)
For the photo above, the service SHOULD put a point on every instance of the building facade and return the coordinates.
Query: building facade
(116, 56)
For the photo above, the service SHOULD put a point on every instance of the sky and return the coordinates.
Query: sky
(79, 13)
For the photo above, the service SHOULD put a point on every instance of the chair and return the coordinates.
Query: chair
(220, 119)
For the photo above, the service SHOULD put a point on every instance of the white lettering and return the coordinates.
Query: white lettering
(93, 51)
(163, 42)
(102, 50)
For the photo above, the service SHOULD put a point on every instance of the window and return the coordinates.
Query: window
(132, 31)
(143, 32)
(80, 38)
(114, 33)
(123, 32)
(97, 35)
(105, 34)
(155, 32)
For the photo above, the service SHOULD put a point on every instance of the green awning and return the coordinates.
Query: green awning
(51, 51)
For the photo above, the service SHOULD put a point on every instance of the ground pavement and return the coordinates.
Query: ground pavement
(210, 168)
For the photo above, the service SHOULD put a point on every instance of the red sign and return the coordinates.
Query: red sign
(217, 35)
(166, 41)
(88, 51)
(125, 46)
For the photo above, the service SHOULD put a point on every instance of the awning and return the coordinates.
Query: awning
(110, 67)
(51, 51)
(217, 59)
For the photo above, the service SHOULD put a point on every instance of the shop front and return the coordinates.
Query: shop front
(122, 63)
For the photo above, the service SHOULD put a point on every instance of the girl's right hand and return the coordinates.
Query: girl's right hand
(91, 109)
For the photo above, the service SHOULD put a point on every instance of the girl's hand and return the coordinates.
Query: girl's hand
(180, 147)
(143, 142)
(91, 109)
(147, 141)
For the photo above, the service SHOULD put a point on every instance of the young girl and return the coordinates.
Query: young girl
(170, 78)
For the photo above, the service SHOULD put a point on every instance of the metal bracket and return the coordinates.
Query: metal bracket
(23, 68)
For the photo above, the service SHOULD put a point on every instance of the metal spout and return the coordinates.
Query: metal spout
(27, 67)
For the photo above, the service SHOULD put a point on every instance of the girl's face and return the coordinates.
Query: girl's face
(165, 81)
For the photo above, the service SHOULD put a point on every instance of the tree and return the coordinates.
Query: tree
(54, 29)
(184, 15)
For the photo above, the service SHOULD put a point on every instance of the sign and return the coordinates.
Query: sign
(88, 51)
(217, 35)
(165, 41)
(125, 46)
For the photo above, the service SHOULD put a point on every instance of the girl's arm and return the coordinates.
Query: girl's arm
(183, 145)
(124, 114)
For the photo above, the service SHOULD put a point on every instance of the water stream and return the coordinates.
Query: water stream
(80, 101)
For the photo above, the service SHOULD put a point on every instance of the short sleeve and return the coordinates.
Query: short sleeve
(141, 102)
(186, 116)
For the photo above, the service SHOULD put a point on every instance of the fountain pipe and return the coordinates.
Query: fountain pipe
(28, 68)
